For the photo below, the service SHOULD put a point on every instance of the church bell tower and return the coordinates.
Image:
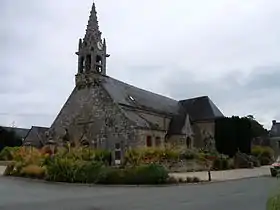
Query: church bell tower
(91, 54)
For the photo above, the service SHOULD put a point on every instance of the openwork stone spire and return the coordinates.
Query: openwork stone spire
(92, 26)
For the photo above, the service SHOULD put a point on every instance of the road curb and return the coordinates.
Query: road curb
(128, 186)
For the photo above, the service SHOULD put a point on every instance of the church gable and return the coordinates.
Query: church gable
(91, 113)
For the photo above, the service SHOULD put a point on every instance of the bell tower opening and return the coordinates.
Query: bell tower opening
(81, 64)
(88, 63)
(98, 63)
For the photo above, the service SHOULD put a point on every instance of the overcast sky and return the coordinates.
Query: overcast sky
(228, 50)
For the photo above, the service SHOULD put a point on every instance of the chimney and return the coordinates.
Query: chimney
(273, 122)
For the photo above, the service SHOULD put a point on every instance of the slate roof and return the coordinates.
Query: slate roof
(201, 108)
(177, 122)
(198, 109)
(134, 117)
(20, 132)
(36, 136)
(128, 96)
(275, 130)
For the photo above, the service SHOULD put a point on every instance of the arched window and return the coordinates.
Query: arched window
(149, 142)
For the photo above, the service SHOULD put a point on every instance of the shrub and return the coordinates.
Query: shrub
(88, 172)
(221, 163)
(263, 154)
(133, 157)
(188, 154)
(144, 174)
(33, 171)
(29, 156)
(102, 156)
(70, 170)
(111, 176)
(7, 153)
(61, 170)
(136, 157)
(86, 154)
(170, 154)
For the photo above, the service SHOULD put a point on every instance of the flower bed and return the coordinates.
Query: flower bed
(81, 165)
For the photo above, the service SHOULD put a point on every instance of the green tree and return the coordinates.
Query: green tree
(225, 139)
(232, 135)
(257, 129)
(9, 139)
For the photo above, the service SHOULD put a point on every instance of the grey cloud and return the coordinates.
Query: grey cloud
(258, 94)
(225, 49)
(265, 78)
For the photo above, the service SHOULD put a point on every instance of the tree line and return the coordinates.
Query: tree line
(233, 134)
(8, 138)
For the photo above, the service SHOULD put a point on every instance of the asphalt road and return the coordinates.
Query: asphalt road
(242, 195)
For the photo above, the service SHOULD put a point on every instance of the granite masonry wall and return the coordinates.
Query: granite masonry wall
(89, 113)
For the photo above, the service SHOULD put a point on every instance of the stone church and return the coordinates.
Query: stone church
(108, 113)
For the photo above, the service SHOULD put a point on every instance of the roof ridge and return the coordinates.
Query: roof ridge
(14, 127)
(39, 126)
(197, 97)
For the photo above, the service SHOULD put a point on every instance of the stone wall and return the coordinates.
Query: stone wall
(180, 140)
(142, 137)
(90, 113)
(202, 131)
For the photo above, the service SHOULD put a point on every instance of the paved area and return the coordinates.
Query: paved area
(227, 175)
(239, 194)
